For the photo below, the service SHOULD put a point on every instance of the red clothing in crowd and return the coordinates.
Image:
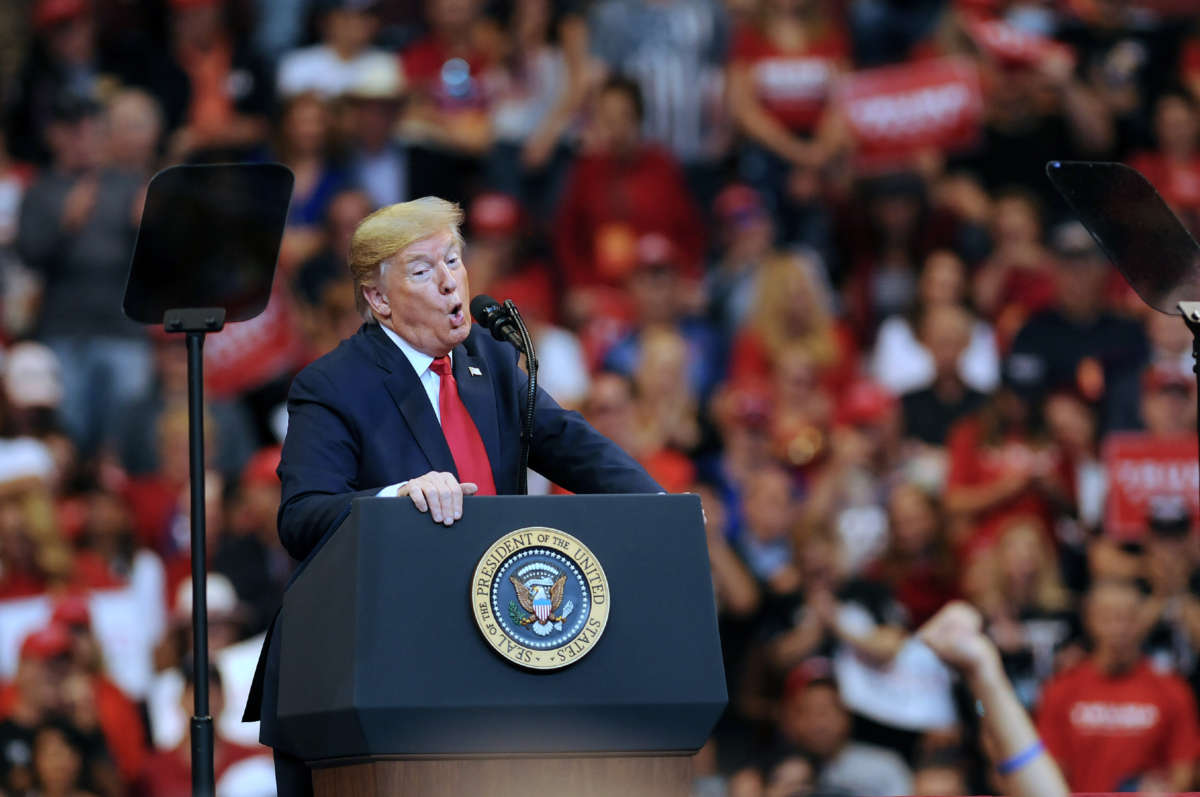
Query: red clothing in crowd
(15, 584)
(792, 86)
(922, 588)
(154, 502)
(1106, 731)
(168, 773)
(1178, 182)
(120, 722)
(750, 362)
(610, 203)
(422, 64)
(975, 462)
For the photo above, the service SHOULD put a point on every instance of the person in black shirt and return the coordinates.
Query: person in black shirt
(930, 412)
(1171, 568)
(1079, 344)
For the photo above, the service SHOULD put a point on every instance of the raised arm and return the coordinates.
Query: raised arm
(956, 635)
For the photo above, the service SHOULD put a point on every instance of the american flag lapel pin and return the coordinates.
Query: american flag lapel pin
(473, 371)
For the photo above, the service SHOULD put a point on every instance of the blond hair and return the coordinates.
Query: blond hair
(784, 274)
(391, 229)
(987, 580)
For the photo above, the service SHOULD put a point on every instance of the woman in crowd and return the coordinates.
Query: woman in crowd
(538, 89)
(794, 310)
(304, 145)
(782, 70)
(1028, 612)
(902, 363)
(918, 565)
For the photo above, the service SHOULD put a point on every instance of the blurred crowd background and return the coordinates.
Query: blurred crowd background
(797, 256)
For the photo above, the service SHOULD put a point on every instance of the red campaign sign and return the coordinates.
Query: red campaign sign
(1141, 467)
(250, 353)
(896, 112)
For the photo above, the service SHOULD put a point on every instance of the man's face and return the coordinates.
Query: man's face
(816, 721)
(1113, 620)
(946, 333)
(423, 293)
(769, 506)
(1081, 283)
(616, 122)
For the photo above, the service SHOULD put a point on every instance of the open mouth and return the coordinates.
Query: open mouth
(456, 315)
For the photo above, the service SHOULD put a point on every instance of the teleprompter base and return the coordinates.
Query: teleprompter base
(594, 776)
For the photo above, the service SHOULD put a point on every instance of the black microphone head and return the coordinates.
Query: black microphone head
(484, 309)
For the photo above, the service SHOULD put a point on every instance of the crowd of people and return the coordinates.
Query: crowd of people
(799, 257)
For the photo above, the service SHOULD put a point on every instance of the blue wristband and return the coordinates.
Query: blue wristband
(1021, 759)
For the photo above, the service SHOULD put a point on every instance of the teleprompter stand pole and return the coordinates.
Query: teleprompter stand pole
(196, 323)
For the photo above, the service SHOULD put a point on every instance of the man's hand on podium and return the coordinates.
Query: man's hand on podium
(439, 494)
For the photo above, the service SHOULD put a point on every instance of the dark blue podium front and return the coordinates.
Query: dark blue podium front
(381, 656)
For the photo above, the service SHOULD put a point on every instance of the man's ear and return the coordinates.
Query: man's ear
(377, 300)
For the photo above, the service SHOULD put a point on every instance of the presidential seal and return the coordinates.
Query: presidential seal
(540, 598)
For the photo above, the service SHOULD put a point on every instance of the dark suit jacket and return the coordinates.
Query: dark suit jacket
(359, 419)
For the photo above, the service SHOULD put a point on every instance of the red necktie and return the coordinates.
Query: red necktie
(466, 446)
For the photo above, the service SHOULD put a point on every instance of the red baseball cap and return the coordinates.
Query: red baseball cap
(48, 13)
(72, 611)
(52, 641)
(812, 671)
(864, 402)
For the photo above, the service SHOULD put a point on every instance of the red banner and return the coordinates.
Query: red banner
(1141, 467)
(897, 112)
(249, 354)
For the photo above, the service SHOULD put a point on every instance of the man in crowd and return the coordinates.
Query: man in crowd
(930, 412)
(1079, 344)
(77, 228)
(1113, 723)
(815, 725)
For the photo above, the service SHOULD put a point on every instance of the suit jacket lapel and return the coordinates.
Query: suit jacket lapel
(479, 398)
(409, 395)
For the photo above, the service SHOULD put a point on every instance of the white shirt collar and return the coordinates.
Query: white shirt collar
(419, 360)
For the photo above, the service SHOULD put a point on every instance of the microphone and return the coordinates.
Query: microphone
(492, 316)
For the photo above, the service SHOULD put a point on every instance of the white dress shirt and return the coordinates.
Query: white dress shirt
(429, 380)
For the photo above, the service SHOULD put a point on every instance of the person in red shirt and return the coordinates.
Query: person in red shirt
(1113, 723)
(621, 190)
(781, 73)
(118, 718)
(610, 407)
(168, 773)
(917, 566)
(999, 472)
(1174, 168)
(445, 70)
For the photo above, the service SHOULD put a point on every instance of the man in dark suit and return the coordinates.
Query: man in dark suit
(416, 404)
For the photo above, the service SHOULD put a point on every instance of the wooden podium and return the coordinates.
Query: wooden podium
(386, 685)
(645, 776)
